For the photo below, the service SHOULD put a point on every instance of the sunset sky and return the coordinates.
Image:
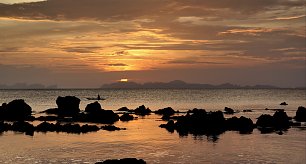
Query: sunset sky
(87, 43)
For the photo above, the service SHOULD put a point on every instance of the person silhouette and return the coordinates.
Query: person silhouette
(99, 98)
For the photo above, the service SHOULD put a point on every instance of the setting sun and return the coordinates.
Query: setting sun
(124, 80)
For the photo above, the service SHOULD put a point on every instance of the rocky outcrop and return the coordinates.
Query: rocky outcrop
(142, 110)
(228, 110)
(16, 110)
(126, 117)
(165, 111)
(68, 105)
(300, 114)
(279, 121)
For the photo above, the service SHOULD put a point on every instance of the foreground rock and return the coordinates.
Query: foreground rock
(123, 161)
(16, 110)
(111, 128)
(126, 117)
(68, 105)
(301, 114)
(228, 110)
(279, 121)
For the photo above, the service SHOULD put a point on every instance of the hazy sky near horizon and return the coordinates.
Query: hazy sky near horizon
(87, 43)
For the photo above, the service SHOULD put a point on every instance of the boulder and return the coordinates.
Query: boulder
(228, 110)
(265, 120)
(165, 111)
(283, 103)
(301, 114)
(242, 124)
(68, 105)
(281, 120)
(111, 128)
(126, 117)
(123, 109)
(16, 110)
(142, 110)
(93, 107)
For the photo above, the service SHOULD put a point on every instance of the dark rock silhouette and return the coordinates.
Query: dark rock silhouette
(25, 127)
(4, 127)
(93, 107)
(68, 105)
(247, 110)
(111, 128)
(51, 111)
(165, 111)
(16, 110)
(123, 109)
(142, 110)
(300, 114)
(47, 118)
(267, 123)
(242, 124)
(123, 161)
(126, 117)
(228, 110)
(283, 103)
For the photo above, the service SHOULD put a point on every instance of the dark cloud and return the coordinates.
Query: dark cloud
(117, 65)
(190, 61)
(92, 49)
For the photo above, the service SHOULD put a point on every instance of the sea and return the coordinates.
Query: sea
(144, 139)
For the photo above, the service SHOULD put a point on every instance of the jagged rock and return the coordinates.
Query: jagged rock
(68, 106)
(126, 117)
(123, 161)
(301, 114)
(242, 124)
(16, 110)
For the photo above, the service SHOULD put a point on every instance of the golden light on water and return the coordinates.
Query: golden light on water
(124, 80)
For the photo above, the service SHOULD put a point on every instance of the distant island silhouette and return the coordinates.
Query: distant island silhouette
(27, 86)
(180, 84)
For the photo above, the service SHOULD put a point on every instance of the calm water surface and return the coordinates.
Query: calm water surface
(144, 139)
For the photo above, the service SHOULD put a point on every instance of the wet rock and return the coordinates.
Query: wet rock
(25, 127)
(281, 120)
(126, 117)
(93, 107)
(228, 110)
(265, 120)
(98, 116)
(46, 127)
(301, 114)
(4, 127)
(170, 126)
(123, 161)
(242, 124)
(166, 111)
(111, 128)
(68, 105)
(123, 109)
(142, 110)
(283, 103)
(16, 110)
(89, 128)
(268, 123)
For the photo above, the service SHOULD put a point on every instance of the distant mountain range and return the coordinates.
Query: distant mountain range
(27, 86)
(179, 84)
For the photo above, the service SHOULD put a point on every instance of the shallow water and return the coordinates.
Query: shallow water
(144, 139)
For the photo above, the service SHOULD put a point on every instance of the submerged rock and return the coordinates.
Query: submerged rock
(111, 128)
(123, 161)
(126, 117)
(300, 114)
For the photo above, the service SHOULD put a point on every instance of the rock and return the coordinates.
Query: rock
(98, 116)
(68, 106)
(25, 127)
(301, 114)
(46, 127)
(126, 117)
(123, 109)
(228, 110)
(142, 110)
(89, 128)
(123, 161)
(170, 126)
(16, 110)
(5, 127)
(265, 121)
(47, 118)
(247, 110)
(242, 124)
(283, 103)
(93, 107)
(111, 128)
(281, 120)
(166, 111)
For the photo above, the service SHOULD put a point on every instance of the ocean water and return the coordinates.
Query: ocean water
(144, 139)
